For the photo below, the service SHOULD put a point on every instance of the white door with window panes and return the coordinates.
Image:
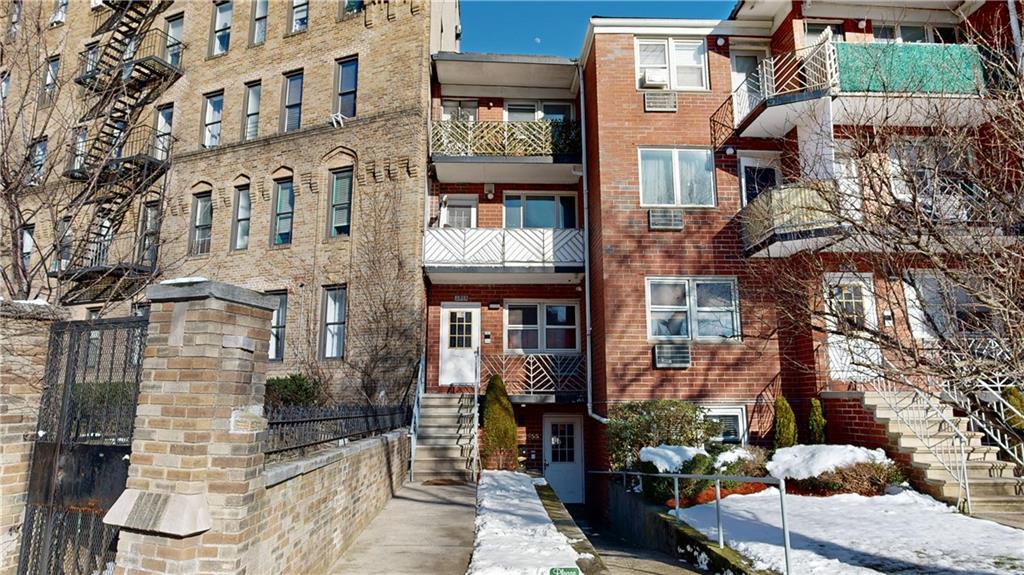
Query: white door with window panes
(850, 314)
(746, 73)
(758, 174)
(563, 456)
(460, 344)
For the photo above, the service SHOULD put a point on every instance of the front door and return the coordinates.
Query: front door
(460, 343)
(563, 456)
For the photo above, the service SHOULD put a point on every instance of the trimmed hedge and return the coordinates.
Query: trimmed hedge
(784, 428)
(500, 450)
(816, 424)
(634, 425)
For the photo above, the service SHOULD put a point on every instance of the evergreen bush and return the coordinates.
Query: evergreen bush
(499, 427)
(816, 424)
(634, 425)
(1014, 397)
(294, 389)
(784, 428)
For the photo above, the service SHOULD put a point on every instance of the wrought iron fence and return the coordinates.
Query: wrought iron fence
(292, 429)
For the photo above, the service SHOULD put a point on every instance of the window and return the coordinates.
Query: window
(5, 87)
(278, 322)
(814, 30)
(259, 22)
(292, 101)
(541, 327)
(60, 12)
(699, 308)
(243, 213)
(939, 307)
(50, 82)
(27, 245)
(348, 71)
(458, 110)
(62, 249)
(79, 148)
(221, 39)
(914, 33)
(679, 177)
(459, 212)
(173, 47)
(213, 108)
(37, 162)
(202, 224)
(284, 205)
(734, 423)
(350, 7)
(848, 305)
(334, 322)
(15, 17)
(521, 112)
(680, 62)
(341, 203)
(92, 346)
(540, 211)
(758, 173)
(251, 121)
(162, 140)
(149, 233)
(299, 16)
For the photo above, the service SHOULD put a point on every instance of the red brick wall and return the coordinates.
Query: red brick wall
(849, 422)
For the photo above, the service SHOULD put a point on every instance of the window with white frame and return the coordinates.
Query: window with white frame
(60, 11)
(681, 61)
(334, 322)
(50, 81)
(677, 177)
(348, 79)
(278, 323)
(37, 161)
(251, 127)
(733, 420)
(259, 22)
(540, 211)
(914, 33)
(759, 172)
(213, 109)
(173, 46)
(683, 308)
(220, 40)
(341, 203)
(284, 207)
(938, 307)
(243, 214)
(292, 117)
(459, 212)
(531, 111)
(814, 30)
(202, 224)
(28, 243)
(299, 16)
(542, 327)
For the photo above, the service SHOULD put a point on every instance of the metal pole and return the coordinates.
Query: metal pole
(785, 526)
(718, 512)
(675, 500)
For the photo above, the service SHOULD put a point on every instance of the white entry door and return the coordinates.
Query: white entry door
(563, 456)
(850, 298)
(460, 343)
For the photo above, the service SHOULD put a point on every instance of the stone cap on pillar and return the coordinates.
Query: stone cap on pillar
(187, 289)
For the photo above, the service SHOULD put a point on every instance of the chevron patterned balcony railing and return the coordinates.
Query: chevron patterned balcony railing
(516, 139)
(503, 247)
(536, 373)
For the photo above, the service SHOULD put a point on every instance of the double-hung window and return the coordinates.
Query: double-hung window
(259, 22)
(213, 109)
(348, 79)
(37, 161)
(542, 327)
(15, 17)
(50, 81)
(341, 203)
(284, 206)
(681, 177)
(334, 322)
(913, 33)
(251, 126)
(680, 308)
(91, 59)
(292, 116)
(164, 122)
(63, 241)
(60, 12)
(243, 213)
(79, 148)
(540, 211)
(759, 173)
(683, 62)
(813, 32)
(278, 322)
(149, 233)
(27, 245)
(733, 420)
(202, 224)
(221, 39)
(174, 47)
(299, 16)
(350, 7)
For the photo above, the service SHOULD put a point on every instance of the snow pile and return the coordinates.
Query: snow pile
(514, 534)
(804, 461)
(846, 534)
(669, 458)
(727, 458)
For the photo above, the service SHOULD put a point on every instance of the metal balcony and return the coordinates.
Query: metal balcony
(150, 58)
(141, 151)
(109, 255)
(787, 219)
(499, 255)
(538, 377)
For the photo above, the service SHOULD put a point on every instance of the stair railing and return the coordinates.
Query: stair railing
(989, 413)
(414, 424)
(475, 449)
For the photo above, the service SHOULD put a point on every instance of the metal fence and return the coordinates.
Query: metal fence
(294, 429)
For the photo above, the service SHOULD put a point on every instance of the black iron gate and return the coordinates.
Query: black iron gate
(82, 445)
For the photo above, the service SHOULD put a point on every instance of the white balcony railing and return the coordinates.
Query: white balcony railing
(536, 373)
(503, 247)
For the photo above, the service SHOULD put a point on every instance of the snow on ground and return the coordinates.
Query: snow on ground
(669, 458)
(844, 534)
(803, 461)
(514, 535)
(726, 458)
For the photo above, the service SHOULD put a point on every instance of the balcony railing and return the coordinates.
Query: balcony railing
(101, 255)
(141, 147)
(787, 210)
(553, 374)
(511, 139)
(153, 55)
(472, 247)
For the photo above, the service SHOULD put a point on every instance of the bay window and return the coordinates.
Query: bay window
(681, 308)
(681, 177)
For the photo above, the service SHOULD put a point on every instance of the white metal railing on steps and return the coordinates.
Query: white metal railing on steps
(416, 406)
(502, 246)
(475, 448)
(989, 413)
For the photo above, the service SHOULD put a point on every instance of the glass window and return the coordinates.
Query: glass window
(213, 107)
(15, 16)
(758, 174)
(334, 322)
(913, 34)
(540, 327)
(523, 327)
(688, 64)
(350, 7)
(293, 102)
(814, 30)
(202, 224)
(884, 33)
(556, 112)
(60, 11)
(460, 330)
(733, 421)
(162, 140)
(64, 241)
(251, 127)
(52, 74)
(341, 203)
(458, 110)
(680, 64)
(652, 55)
(944, 35)
(27, 245)
(259, 22)
(79, 148)
(525, 112)
(715, 309)
(37, 161)
(669, 306)
(681, 307)
(459, 213)
(538, 211)
(92, 55)
(149, 233)
(560, 326)
(284, 205)
(348, 71)
(243, 213)
(5, 87)
(221, 28)
(683, 177)
(173, 48)
(300, 15)
(278, 323)
(848, 305)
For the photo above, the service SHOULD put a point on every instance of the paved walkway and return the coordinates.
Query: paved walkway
(423, 529)
(623, 558)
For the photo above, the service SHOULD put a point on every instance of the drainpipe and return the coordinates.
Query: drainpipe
(586, 249)
(1011, 5)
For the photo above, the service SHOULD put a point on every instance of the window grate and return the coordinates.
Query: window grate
(672, 356)
(660, 102)
(665, 219)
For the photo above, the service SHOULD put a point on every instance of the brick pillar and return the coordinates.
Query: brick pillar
(24, 337)
(195, 482)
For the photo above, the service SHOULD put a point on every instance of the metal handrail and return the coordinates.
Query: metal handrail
(475, 449)
(999, 431)
(718, 479)
(414, 424)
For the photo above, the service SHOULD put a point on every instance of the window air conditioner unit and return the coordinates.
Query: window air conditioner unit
(672, 356)
(665, 219)
(655, 79)
(660, 102)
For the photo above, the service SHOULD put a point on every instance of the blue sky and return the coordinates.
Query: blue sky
(557, 27)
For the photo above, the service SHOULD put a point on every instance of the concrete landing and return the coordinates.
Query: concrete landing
(423, 529)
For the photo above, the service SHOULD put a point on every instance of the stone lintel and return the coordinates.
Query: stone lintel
(209, 289)
(174, 514)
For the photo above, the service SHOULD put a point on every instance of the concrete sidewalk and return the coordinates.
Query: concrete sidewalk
(423, 529)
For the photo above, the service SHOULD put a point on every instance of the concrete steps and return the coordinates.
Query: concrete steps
(444, 441)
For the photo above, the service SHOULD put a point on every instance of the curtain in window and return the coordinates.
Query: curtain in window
(695, 177)
(656, 177)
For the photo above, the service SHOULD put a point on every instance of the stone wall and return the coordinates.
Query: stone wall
(317, 506)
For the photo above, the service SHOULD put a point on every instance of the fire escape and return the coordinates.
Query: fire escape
(120, 162)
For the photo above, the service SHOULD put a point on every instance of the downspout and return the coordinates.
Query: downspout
(1011, 6)
(586, 249)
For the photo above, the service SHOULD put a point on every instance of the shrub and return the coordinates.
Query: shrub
(499, 442)
(784, 428)
(637, 424)
(294, 389)
(867, 479)
(1014, 397)
(816, 424)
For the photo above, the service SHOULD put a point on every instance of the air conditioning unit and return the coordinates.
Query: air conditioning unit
(660, 102)
(672, 356)
(665, 219)
(655, 79)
